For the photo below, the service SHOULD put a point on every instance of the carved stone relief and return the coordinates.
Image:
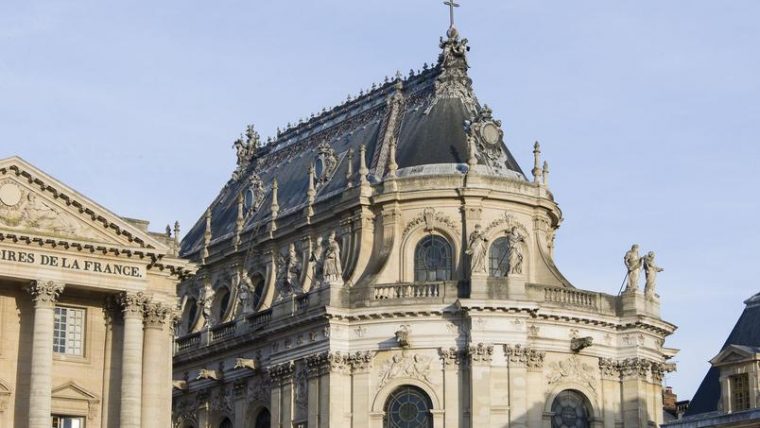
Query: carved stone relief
(412, 366)
(572, 369)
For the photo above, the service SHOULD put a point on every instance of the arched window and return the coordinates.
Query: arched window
(569, 410)
(263, 419)
(258, 290)
(221, 304)
(191, 312)
(432, 259)
(408, 407)
(498, 258)
(226, 423)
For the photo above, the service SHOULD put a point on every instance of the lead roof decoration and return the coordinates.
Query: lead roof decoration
(431, 117)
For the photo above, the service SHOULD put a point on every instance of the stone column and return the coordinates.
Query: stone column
(361, 364)
(132, 360)
(155, 390)
(452, 363)
(480, 384)
(40, 384)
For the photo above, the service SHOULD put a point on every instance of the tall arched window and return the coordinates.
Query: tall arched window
(408, 407)
(432, 259)
(226, 423)
(498, 258)
(191, 312)
(221, 304)
(258, 290)
(570, 410)
(263, 419)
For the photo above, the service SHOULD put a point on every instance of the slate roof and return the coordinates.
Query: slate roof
(425, 113)
(746, 332)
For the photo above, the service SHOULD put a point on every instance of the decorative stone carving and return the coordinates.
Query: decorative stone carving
(206, 301)
(361, 361)
(209, 374)
(185, 409)
(5, 393)
(579, 343)
(245, 150)
(484, 136)
(402, 336)
(633, 264)
(246, 363)
(300, 392)
(405, 366)
(282, 371)
(480, 353)
(326, 163)
(256, 192)
(531, 358)
(222, 400)
(21, 209)
(289, 273)
(650, 270)
(533, 330)
(432, 220)
(450, 356)
(609, 367)
(477, 249)
(635, 367)
(259, 390)
(453, 81)
(132, 304)
(45, 293)
(572, 369)
(658, 372)
(156, 314)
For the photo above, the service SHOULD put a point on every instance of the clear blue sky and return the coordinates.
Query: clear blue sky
(647, 111)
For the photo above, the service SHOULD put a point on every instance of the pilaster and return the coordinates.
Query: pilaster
(480, 357)
(282, 394)
(154, 404)
(453, 363)
(634, 372)
(361, 365)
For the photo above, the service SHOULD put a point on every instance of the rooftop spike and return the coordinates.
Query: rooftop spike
(545, 171)
(536, 162)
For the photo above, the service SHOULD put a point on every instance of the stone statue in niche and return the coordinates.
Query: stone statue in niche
(633, 264)
(332, 269)
(317, 259)
(289, 272)
(477, 249)
(245, 291)
(650, 270)
(515, 253)
(205, 301)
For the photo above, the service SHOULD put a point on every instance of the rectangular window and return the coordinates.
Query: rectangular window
(739, 385)
(68, 331)
(67, 422)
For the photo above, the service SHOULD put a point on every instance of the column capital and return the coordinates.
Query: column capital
(156, 314)
(45, 293)
(132, 304)
(480, 354)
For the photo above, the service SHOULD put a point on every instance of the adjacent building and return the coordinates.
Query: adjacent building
(86, 300)
(729, 395)
(387, 263)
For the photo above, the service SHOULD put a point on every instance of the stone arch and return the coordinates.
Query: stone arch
(381, 398)
(190, 315)
(222, 304)
(409, 247)
(592, 402)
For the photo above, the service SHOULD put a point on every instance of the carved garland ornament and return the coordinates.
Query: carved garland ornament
(572, 369)
(405, 366)
(432, 220)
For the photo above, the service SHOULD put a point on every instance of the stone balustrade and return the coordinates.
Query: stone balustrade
(405, 291)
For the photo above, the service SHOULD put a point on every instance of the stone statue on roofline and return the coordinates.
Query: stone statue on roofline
(633, 264)
(650, 270)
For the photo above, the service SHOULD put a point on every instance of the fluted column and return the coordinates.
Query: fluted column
(155, 392)
(132, 360)
(40, 385)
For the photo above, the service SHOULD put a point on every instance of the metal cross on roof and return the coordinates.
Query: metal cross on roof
(451, 4)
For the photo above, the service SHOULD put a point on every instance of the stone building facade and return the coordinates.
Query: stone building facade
(86, 299)
(387, 263)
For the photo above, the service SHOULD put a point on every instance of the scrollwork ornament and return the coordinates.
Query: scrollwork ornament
(132, 304)
(156, 314)
(45, 293)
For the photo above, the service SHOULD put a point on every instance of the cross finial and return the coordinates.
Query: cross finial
(451, 4)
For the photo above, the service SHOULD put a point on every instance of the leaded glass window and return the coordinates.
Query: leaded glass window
(408, 407)
(68, 331)
(569, 410)
(739, 385)
(498, 258)
(432, 259)
(263, 419)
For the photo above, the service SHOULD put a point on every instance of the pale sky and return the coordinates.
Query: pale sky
(647, 111)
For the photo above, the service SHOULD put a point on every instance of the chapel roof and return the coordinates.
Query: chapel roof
(744, 334)
(426, 115)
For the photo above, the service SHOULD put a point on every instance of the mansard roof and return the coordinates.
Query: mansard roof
(427, 115)
(746, 336)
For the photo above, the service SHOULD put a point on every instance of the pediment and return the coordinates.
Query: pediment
(733, 354)
(34, 203)
(72, 391)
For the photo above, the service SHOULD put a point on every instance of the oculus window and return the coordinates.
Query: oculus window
(408, 407)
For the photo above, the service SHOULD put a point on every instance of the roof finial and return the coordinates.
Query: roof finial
(451, 4)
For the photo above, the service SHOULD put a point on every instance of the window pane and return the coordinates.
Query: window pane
(432, 259)
(68, 331)
(498, 258)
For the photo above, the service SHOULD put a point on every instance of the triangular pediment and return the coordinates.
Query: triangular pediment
(32, 203)
(733, 354)
(72, 391)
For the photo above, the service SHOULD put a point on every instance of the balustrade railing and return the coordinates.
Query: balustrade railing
(260, 319)
(223, 331)
(565, 296)
(189, 341)
(411, 291)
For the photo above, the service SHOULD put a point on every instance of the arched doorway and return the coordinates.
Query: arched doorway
(408, 407)
(570, 409)
(263, 419)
